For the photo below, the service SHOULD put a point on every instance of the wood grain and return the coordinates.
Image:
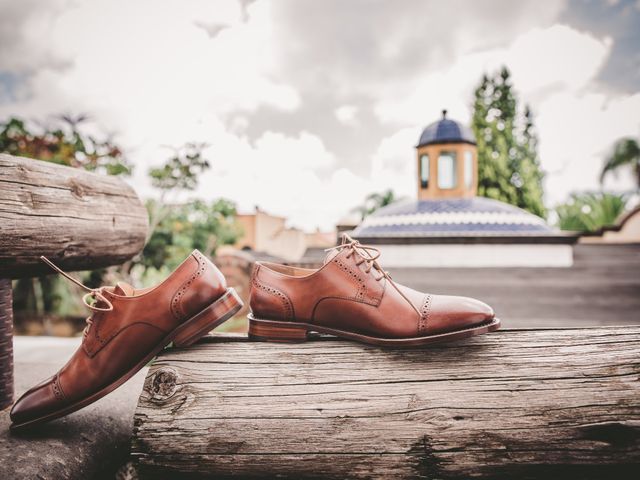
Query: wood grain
(6, 344)
(80, 219)
(514, 404)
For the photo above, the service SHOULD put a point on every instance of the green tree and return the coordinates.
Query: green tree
(375, 201)
(626, 152)
(177, 228)
(508, 164)
(64, 142)
(197, 224)
(589, 212)
(179, 173)
(181, 170)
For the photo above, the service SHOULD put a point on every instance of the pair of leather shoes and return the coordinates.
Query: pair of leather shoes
(350, 296)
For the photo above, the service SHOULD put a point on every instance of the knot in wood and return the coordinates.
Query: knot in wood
(77, 189)
(163, 384)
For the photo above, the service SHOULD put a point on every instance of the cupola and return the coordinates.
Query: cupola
(447, 160)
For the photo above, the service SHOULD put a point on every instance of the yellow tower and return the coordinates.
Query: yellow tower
(447, 161)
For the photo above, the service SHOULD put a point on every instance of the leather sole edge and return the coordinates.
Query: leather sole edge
(294, 332)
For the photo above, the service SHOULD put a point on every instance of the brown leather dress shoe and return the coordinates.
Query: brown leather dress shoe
(127, 329)
(352, 297)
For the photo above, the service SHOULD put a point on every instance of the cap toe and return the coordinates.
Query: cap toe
(449, 313)
(35, 402)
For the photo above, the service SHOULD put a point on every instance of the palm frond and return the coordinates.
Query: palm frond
(626, 151)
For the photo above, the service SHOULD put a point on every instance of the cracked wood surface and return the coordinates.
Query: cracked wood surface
(80, 219)
(514, 404)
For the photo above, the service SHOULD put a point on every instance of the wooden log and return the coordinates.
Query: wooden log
(80, 219)
(6, 344)
(551, 403)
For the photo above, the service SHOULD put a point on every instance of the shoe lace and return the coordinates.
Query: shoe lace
(368, 255)
(93, 294)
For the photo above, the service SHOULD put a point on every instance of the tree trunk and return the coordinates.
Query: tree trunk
(515, 404)
(80, 219)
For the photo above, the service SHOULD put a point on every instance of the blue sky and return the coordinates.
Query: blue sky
(309, 106)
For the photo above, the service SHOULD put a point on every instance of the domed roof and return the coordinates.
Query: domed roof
(477, 216)
(446, 131)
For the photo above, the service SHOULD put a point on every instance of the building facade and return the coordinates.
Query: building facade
(448, 225)
(265, 233)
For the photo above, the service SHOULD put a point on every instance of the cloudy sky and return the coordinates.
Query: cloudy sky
(310, 105)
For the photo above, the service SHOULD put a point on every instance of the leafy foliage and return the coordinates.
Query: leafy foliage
(375, 201)
(626, 152)
(198, 224)
(589, 212)
(175, 230)
(64, 143)
(180, 172)
(508, 164)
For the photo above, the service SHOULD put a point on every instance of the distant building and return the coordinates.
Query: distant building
(321, 240)
(448, 225)
(267, 235)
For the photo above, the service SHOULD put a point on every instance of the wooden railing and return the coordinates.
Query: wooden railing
(78, 219)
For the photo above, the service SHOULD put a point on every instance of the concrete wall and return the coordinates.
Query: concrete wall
(629, 233)
(474, 256)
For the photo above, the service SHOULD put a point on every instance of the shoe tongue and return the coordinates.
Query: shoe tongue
(123, 289)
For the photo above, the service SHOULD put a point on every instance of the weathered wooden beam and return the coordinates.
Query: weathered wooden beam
(80, 219)
(558, 403)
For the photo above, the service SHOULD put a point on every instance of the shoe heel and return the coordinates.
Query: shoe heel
(273, 331)
(202, 323)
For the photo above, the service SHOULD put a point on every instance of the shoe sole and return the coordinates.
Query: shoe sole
(186, 334)
(295, 332)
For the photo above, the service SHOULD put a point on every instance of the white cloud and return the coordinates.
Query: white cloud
(280, 174)
(558, 57)
(23, 25)
(394, 165)
(542, 60)
(577, 132)
(553, 69)
(166, 73)
(149, 68)
(346, 114)
(282, 153)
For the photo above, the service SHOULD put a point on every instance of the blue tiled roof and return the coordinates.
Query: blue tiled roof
(446, 131)
(452, 205)
(432, 229)
(460, 216)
